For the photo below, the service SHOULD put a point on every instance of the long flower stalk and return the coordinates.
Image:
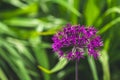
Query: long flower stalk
(76, 70)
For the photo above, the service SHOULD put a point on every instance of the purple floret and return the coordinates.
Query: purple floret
(72, 41)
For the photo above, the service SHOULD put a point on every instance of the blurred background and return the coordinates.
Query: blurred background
(26, 29)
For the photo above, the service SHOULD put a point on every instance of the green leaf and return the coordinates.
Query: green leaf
(104, 59)
(16, 64)
(16, 3)
(105, 64)
(109, 2)
(67, 6)
(91, 12)
(5, 29)
(46, 33)
(93, 67)
(24, 22)
(2, 75)
(40, 54)
(60, 65)
(21, 69)
(44, 6)
(31, 9)
(10, 48)
(75, 4)
(107, 12)
(20, 46)
(112, 10)
(109, 25)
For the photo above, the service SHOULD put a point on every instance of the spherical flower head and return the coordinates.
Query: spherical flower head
(72, 41)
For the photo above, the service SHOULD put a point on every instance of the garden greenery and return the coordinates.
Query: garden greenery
(26, 29)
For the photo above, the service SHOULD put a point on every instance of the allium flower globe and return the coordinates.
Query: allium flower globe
(72, 41)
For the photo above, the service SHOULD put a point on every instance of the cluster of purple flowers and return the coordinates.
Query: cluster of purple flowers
(72, 41)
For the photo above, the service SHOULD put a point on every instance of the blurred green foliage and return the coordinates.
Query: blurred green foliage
(26, 28)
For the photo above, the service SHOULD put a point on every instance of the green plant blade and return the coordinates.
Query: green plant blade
(16, 3)
(60, 65)
(32, 8)
(75, 4)
(112, 10)
(105, 65)
(40, 54)
(93, 67)
(24, 22)
(67, 6)
(2, 75)
(107, 13)
(16, 64)
(104, 58)
(21, 47)
(109, 25)
(5, 29)
(91, 15)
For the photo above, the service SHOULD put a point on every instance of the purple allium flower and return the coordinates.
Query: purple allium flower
(72, 41)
